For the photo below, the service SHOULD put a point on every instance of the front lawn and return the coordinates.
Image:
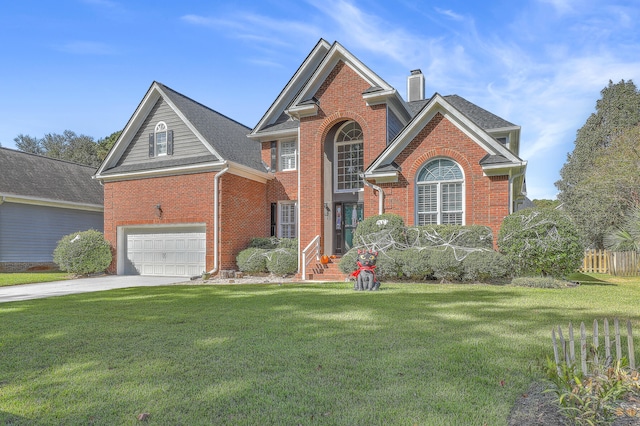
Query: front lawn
(292, 354)
(17, 278)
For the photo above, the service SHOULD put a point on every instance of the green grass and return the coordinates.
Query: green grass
(16, 278)
(315, 354)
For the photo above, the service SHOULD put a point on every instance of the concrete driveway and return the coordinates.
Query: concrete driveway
(82, 285)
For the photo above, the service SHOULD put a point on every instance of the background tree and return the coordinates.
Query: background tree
(28, 144)
(105, 144)
(69, 146)
(585, 185)
(545, 203)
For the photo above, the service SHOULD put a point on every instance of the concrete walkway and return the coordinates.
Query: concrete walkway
(82, 285)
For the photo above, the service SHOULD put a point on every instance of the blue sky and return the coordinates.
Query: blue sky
(84, 65)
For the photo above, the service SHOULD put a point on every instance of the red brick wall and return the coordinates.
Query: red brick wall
(187, 199)
(486, 198)
(244, 214)
(340, 99)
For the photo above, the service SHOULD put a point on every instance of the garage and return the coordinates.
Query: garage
(179, 252)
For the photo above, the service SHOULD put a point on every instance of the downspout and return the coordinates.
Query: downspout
(521, 172)
(216, 214)
(380, 194)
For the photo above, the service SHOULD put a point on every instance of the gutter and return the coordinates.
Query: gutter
(216, 214)
(380, 193)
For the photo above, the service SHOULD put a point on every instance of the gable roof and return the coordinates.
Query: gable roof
(296, 99)
(223, 137)
(36, 179)
(472, 120)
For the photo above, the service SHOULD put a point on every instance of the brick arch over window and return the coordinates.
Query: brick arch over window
(339, 117)
(457, 157)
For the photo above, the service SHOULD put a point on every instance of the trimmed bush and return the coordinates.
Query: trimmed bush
(252, 260)
(415, 263)
(282, 261)
(541, 242)
(83, 253)
(468, 236)
(264, 243)
(446, 267)
(370, 229)
(349, 262)
(387, 266)
(484, 266)
(288, 243)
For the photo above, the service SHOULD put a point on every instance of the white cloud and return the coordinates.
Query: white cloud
(450, 14)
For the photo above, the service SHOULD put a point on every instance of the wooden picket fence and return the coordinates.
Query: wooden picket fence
(620, 263)
(564, 350)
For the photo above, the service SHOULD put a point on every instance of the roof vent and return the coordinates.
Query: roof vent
(415, 86)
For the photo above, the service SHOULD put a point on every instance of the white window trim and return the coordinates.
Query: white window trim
(280, 223)
(438, 184)
(281, 155)
(161, 127)
(335, 160)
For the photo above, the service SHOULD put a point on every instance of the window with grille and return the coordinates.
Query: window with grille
(288, 155)
(349, 158)
(161, 138)
(440, 193)
(287, 220)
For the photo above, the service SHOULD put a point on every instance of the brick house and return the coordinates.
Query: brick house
(186, 189)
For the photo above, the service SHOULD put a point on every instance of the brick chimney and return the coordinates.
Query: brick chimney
(415, 86)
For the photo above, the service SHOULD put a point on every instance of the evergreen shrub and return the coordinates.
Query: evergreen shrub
(485, 266)
(83, 253)
(252, 260)
(367, 229)
(415, 263)
(282, 261)
(446, 267)
(541, 242)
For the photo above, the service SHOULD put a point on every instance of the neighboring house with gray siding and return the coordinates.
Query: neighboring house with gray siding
(41, 200)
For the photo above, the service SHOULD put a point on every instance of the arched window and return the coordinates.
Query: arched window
(349, 158)
(161, 138)
(440, 193)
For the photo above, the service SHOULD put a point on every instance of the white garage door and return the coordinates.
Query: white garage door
(166, 253)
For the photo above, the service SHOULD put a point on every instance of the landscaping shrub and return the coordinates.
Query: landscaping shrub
(83, 253)
(415, 263)
(282, 261)
(349, 262)
(368, 230)
(484, 266)
(445, 265)
(468, 236)
(252, 260)
(539, 282)
(387, 266)
(541, 242)
(268, 243)
(288, 243)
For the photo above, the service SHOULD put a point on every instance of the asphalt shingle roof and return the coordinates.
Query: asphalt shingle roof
(226, 136)
(35, 176)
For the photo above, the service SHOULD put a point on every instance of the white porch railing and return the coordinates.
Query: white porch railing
(310, 253)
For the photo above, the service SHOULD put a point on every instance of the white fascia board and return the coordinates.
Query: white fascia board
(379, 97)
(300, 111)
(249, 173)
(294, 85)
(386, 177)
(47, 202)
(504, 169)
(169, 171)
(276, 134)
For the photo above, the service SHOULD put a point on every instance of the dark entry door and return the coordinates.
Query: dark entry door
(347, 217)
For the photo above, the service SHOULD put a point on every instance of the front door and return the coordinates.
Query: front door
(347, 217)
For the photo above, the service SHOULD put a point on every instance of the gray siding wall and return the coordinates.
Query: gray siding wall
(394, 125)
(30, 233)
(185, 143)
